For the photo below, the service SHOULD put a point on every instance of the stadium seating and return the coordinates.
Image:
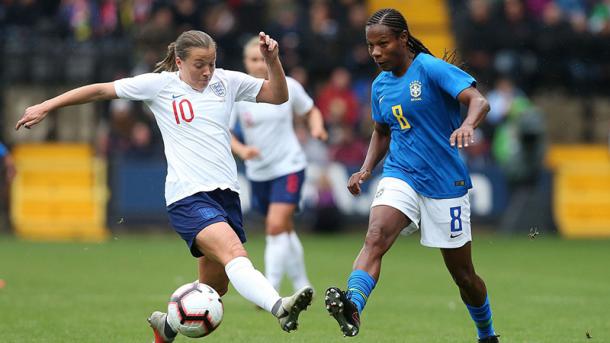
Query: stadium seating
(59, 193)
(582, 184)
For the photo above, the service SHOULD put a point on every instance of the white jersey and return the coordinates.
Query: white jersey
(270, 129)
(194, 126)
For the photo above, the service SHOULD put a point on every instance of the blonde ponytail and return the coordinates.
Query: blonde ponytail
(169, 62)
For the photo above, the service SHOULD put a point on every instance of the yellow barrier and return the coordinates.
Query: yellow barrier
(59, 193)
(581, 202)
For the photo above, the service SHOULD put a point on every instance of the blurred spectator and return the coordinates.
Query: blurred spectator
(141, 141)
(571, 7)
(300, 74)
(155, 35)
(117, 138)
(536, 7)
(78, 15)
(501, 99)
(128, 132)
(518, 144)
(599, 21)
(21, 12)
(221, 23)
(516, 56)
(348, 149)
(322, 40)
(553, 41)
(356, 54)
(186, 15)
(337, 101)
(478, 39)
(288, 31)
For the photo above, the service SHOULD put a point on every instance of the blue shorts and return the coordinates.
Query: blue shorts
(192, 214)
(284, 189)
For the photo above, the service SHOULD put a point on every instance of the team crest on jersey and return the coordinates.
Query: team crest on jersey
(415, 89)
(218, 88)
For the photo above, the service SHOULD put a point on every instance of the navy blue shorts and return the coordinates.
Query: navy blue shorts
(194, 213)
(284, 189)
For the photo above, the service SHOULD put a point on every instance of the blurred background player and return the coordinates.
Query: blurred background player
(275, 166)
(192, 105)
(415, 107)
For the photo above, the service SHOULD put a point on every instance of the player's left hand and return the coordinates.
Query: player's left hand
(319, 133)
(462, 136)
(268, 46)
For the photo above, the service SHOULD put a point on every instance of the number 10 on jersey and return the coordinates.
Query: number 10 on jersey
(181, 105)
(397, 112)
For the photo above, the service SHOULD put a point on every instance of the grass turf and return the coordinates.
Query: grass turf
(542, 290)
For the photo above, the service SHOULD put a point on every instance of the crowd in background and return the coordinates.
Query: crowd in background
(540, 43)
(513, 47)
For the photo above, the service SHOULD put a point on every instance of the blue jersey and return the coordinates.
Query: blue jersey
(422, 111)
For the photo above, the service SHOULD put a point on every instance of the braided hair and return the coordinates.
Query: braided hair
(396, 22)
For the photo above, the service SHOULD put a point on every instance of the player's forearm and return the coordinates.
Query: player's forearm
(315, 119)
(380, 143)
(277, 81)
(236, 146)
(81, 95)
(478, 107)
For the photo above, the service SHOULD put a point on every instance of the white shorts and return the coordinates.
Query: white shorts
(444, 223)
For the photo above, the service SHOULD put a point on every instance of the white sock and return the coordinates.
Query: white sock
(296, 263)
(277, 251)
(250, 283)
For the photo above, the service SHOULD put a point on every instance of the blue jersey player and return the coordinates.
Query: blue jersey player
(416, 109)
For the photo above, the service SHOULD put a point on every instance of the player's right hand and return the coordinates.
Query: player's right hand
(249, 152)
(32, 116)
(357, 178)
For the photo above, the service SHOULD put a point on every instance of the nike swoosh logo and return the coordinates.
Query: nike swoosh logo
(176, 96)
(452, 236)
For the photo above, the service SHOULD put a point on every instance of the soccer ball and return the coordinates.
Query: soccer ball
(195, 310)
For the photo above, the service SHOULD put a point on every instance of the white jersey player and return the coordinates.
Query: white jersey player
(275, 166)
(192, 103)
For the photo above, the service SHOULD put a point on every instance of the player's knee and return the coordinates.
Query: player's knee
(274, 227)
(235, 250)
(465, 279)
(376, 242)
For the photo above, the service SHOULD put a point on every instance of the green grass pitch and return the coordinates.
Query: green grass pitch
(542, 290)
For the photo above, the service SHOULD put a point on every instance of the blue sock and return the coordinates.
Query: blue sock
(359, 286)
(482, 319)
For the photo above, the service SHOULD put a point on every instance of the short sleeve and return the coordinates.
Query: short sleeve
(3, 150)
(246, 87)
(449, 78)
(375, 111)
(141, 87)
(300, 101)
